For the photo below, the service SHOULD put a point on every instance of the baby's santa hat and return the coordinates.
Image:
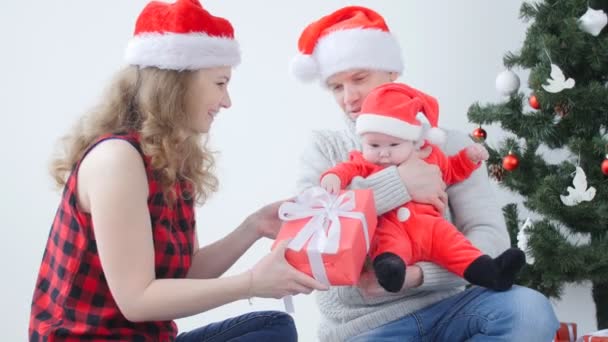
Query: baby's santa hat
(353, 37)
(181, 36)
(393, 109)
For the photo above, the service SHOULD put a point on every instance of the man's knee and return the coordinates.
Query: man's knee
(531, 312)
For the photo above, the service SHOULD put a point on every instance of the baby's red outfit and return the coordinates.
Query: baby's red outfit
(417, 232)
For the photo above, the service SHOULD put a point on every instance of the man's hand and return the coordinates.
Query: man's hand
(368, 283)
(424, 182)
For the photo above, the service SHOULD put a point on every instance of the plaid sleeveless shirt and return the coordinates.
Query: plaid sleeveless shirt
(72, 301)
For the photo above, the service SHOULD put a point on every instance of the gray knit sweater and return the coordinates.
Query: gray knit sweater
(473, 209)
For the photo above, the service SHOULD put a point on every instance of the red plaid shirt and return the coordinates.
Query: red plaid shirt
(72, 301)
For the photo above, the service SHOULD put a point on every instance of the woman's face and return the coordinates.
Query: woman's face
(207, 94)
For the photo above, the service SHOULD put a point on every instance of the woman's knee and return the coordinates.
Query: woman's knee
(282, 325)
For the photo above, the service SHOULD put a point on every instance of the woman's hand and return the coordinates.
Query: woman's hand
(265, 222)
(273, 277)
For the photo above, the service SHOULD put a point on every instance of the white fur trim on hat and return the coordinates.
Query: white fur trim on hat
(174, 51)
(368, 123)
(436, 136)
(355, 49)
(304, 68)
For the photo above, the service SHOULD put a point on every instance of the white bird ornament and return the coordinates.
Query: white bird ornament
(558, 81)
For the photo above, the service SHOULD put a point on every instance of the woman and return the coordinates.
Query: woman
(122, 259)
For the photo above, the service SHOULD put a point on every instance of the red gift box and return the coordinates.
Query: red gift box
(330, 235)
(598, 336)
(566, 332)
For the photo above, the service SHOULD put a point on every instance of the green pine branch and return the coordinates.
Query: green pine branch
(568, 243)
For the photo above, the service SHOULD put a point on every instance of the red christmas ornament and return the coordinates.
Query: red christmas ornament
(480, 134)
(605, 166)
(533, 101)
(510, 162)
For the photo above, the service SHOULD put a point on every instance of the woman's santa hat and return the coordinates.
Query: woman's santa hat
(353, 37)
(393, 109)
(181, 36)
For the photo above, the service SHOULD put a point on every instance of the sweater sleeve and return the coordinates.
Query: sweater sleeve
(328, 148)
(476, 213)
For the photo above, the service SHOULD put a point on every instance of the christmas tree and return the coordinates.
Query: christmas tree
(564, 113)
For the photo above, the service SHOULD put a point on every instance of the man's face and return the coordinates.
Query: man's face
(351, 87)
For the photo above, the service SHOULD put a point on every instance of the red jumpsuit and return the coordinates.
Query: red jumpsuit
(417, 232)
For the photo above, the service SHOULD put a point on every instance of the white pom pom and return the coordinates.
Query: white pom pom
(304, 68)
(436, 136)
(507, 82)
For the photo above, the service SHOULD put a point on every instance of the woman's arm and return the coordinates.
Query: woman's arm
(213, 260)
(113, 188)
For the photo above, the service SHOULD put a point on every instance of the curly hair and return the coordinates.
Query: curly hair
(152, 102)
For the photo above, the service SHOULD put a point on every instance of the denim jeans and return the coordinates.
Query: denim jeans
(477, 314)
(255, 326)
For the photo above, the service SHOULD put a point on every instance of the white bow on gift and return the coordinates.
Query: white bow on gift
(323, 230)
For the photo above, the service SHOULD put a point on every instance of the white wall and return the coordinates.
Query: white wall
(58, 55)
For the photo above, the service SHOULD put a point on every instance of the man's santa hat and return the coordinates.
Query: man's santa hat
(181, 36)
(353, 37)
(393, 109)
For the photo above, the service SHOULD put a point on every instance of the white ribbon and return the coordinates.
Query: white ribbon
(600, 333)
(323, 230)
(571, 335)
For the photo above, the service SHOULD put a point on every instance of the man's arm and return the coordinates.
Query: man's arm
(328, 148)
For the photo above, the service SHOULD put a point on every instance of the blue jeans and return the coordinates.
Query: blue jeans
(255, 326)
(477, 314)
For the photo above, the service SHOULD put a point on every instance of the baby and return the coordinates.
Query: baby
(391, 134)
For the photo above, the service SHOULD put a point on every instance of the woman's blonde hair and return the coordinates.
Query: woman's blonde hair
(152, 102)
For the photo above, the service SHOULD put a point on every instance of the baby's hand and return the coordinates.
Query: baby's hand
(331, 183)
(477, 153)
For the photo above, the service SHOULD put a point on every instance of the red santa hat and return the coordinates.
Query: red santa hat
(181, 36)
(353, 37)
(393, 109)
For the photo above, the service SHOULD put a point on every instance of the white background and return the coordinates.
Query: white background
(57, 57)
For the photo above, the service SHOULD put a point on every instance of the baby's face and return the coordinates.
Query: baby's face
(386, 150)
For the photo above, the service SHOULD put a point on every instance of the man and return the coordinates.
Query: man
(352, 51)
